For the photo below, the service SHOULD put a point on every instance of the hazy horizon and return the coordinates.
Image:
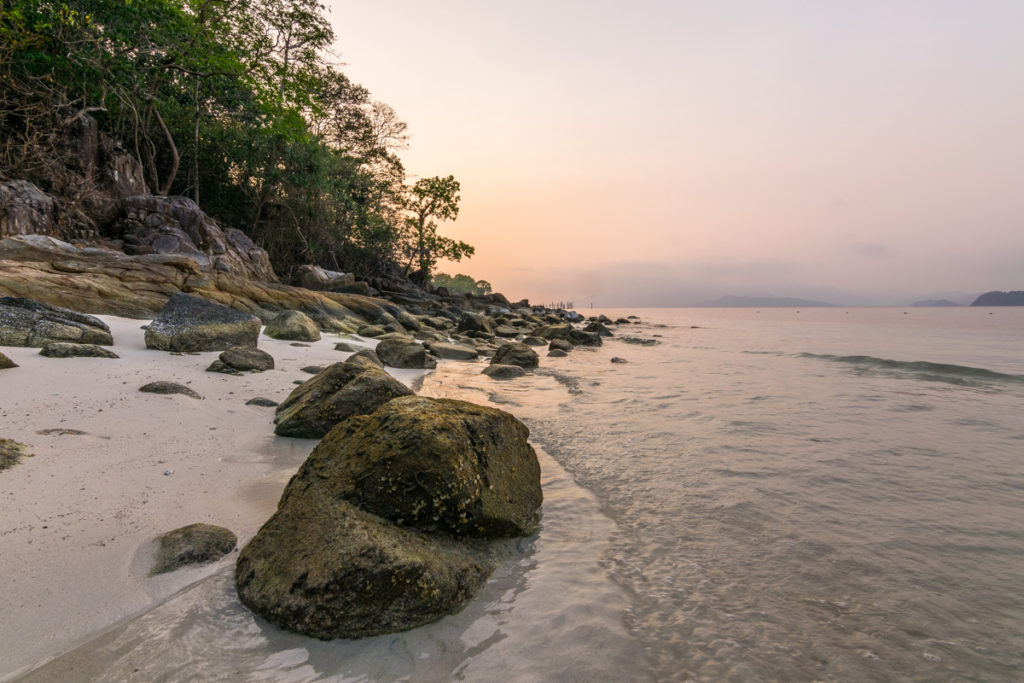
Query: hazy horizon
(668, 153)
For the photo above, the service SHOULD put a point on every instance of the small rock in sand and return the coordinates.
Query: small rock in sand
(262, 402)
(192, 544)
(168, 388)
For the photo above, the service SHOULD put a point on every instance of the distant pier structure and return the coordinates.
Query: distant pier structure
(565, 305)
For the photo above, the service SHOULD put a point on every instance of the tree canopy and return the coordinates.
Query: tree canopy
(237, 104)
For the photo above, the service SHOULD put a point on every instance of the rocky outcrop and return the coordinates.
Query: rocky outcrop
(191, 545)
(25, 209)
(177, 226)
(71, 350)
(354, 387)
(163, 387)
(317, 278)
(191, 323)
(516, 354)
(402, 353)
(292, 325)
(363, 539)
(24, 322)
(103, 281)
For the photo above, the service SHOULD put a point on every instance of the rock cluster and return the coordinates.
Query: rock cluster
(381, 528)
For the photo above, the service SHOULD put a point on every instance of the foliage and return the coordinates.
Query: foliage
(430, 199)
(235, 104)
(463, 284)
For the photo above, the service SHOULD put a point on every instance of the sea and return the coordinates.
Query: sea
(819, 494)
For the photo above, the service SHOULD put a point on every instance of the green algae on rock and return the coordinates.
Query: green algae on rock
(192, 544)
(11, 452)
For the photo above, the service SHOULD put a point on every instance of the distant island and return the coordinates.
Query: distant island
(761, 302)
(1000, 299)
(935, 302)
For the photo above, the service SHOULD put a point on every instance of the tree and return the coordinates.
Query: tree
(430, 199)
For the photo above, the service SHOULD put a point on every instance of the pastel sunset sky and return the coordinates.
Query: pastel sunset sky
(660, 152)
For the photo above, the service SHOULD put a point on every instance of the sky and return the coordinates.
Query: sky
(669, 152)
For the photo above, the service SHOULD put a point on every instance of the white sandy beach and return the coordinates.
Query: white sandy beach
(78, 518)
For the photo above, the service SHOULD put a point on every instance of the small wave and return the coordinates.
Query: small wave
(942, 372)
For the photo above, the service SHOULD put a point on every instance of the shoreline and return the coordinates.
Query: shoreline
(145, 464)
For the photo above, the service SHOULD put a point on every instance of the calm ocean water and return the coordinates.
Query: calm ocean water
(822, 494)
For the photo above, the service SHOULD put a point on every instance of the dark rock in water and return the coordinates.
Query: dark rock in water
(191, 323)
(603, 319)
(11, 452)
(246, 358)
(516, 354)
(475, 322)
(371, 331)
(640, 341)
(561, 345)
(294, 325)
(6, 363)
(192, 544)
(70, 350)
(431, 464)
(399, 353)
(313, 369)
(568, 333)
(532, 340)
(354, 387)
(616, 359)
(24, 322)
(598, 328)
(453, 351)
(327, 569)
(338, 559)
(168, 388)
(262, 402)
(557, 353)
(345, 346)
(622, 321)
(500, 371)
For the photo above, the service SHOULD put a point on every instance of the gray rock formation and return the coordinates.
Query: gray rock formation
(24, 322)
(191, 323)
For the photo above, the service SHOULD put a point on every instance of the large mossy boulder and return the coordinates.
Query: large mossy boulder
(292, 326)
(354, 387)
(381, 529)
(191, 323)
(516, 354)
(327, 569)
(24, 322)
(432, 464)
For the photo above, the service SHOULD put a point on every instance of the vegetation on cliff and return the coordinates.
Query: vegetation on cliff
(235, 104)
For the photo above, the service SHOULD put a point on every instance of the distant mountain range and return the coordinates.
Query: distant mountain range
(1000, 299)
(935, 302)
(761, 302)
